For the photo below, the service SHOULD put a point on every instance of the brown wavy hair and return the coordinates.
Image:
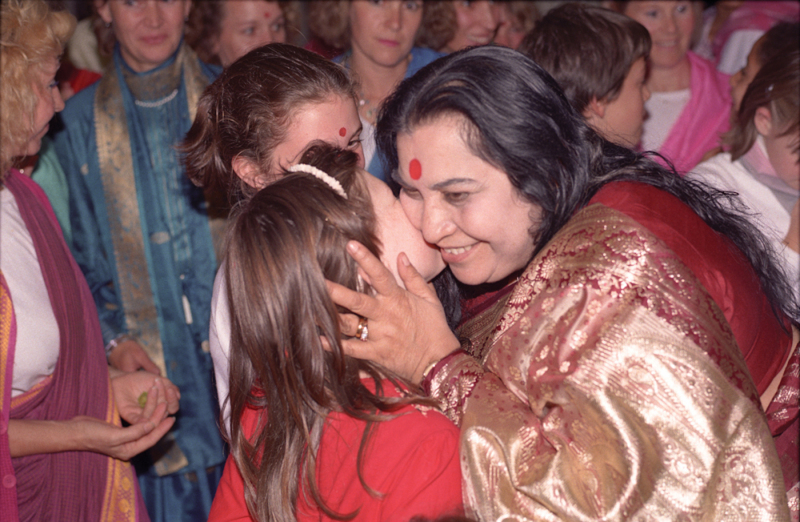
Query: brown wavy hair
(329, 21)
(205, 25)
(593, 65)
(777, 87)
(439, 26)
(288, 239)
(247, 110)
(30, 36)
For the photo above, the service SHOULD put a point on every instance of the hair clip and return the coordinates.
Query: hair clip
(320, 175)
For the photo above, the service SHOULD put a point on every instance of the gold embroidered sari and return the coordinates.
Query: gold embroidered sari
(612, 389)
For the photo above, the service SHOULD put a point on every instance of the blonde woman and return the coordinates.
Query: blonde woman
(63, 450)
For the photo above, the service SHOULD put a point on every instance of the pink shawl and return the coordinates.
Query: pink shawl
(703, 120)
(761, 15)
(73, 485)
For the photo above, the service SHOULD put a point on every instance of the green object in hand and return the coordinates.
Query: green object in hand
(142, 399)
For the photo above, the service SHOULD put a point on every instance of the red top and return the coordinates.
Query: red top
(412, 460)
(720, 266)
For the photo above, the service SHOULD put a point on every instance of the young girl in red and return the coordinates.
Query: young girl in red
(322, 436)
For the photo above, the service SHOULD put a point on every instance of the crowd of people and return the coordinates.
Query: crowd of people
(399, 260)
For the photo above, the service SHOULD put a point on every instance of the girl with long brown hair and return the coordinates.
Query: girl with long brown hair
(256, 120)
(320, 435)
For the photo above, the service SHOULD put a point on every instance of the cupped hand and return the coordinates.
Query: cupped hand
(129, 356)
(129, 386)
(407, 327)
(123, 443)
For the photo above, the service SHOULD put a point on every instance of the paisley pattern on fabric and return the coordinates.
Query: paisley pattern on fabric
(614, 390)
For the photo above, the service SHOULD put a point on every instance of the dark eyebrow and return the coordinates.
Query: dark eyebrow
(439, 186)
(454, 181)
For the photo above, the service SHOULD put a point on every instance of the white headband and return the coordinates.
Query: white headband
(322, 176)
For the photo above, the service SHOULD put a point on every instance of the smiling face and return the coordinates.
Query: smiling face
(670, 24)
(476, 24)
(384, 32)
(623, 117)
(48, 103)
(247, 24)
(148, 31)
(397, 234)
(464, 205)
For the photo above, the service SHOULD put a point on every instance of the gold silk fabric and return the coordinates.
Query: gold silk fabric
(612, 389)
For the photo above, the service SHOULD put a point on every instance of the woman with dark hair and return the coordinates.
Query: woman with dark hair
(607, 381)
(318, 434)
(277, 101)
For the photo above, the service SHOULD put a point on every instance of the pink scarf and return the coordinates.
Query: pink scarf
(704, 119)
(759, 15)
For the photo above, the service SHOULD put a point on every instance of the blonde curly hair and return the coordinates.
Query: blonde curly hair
(30, 36)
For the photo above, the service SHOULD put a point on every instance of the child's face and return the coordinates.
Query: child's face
(783, 155)
(623, 118)
(741, 80)
(670, 25)
(397, 234)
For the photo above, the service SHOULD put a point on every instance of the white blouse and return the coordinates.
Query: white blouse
(37, 344)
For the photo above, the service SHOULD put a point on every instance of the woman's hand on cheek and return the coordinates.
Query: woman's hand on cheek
(407, 328)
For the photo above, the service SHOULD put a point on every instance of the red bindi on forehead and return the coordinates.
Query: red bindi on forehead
(342, 132)
(267, 14)
(414, 169)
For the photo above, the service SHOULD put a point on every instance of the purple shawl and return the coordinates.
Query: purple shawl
(72, 485)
